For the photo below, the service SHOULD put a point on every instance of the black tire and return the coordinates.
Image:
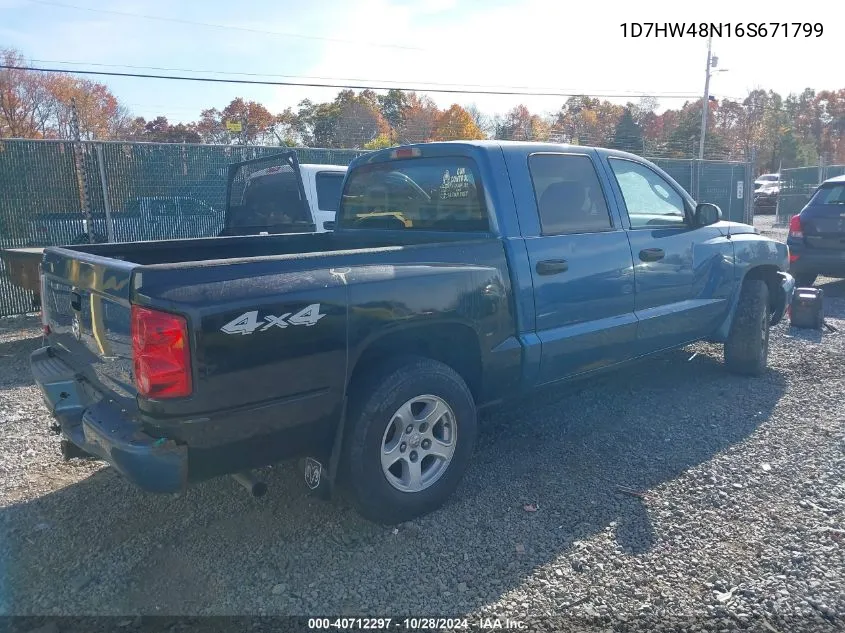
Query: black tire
(382, 394)
(805, 280)
(747, 347)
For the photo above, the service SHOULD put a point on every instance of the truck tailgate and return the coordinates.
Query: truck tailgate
(85, 299)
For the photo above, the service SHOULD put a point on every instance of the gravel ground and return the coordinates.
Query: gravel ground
(672, 492)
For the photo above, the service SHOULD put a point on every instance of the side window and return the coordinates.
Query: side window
(651, 201)
(569, 196)
(328, 190)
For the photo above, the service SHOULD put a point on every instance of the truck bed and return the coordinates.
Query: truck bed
(244, 247)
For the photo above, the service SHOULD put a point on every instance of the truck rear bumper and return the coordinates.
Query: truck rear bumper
(101, 427)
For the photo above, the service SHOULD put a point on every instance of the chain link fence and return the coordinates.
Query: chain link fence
(161, 190)
(797, 186)
(725, 183)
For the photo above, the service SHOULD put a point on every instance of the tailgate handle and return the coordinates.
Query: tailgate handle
(76, 301)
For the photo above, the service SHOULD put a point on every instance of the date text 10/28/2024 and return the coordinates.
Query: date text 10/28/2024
(416, 624)
(722, 29)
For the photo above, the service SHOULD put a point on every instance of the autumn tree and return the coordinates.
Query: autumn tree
(455, 124)
(393, 106)
(359, 120)
(586, 121)
(26, 105)
(379, 142)
(160, 130)
(419, 120)
(483, 122)
(831, 109)
(521, 125)
(33, 105)
(628, 135)
(256, 124)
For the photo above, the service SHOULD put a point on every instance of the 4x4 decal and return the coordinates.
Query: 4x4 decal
(248, 322)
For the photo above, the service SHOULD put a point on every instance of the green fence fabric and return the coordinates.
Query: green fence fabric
(40, 202)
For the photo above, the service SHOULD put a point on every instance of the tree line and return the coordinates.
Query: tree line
(796, 130)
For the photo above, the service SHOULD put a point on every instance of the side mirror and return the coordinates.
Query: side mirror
(707, 213)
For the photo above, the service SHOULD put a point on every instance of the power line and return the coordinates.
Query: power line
(390, 81)
(339, 85)
(224, 26)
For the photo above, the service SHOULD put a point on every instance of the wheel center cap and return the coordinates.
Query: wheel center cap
(415, 440)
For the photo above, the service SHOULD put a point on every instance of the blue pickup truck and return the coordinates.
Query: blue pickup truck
(459, 274)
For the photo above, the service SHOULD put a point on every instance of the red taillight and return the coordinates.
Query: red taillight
(795, 229)
(160, 354)
(793, 258)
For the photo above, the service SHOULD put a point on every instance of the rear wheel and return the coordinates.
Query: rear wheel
(747, 347)
(412, 434)
(805, 280)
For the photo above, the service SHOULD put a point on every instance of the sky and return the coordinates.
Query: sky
(545, 45)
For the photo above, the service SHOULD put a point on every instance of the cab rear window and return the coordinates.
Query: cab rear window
(830, 194)
(429, 194)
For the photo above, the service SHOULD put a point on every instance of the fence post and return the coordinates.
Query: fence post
(106, 203)
(81, 180)
(749, 187)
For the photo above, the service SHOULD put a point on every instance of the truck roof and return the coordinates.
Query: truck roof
(520, 147)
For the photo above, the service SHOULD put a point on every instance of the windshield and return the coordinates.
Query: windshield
(437, 194)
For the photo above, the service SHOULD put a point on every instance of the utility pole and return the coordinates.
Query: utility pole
(705, 107)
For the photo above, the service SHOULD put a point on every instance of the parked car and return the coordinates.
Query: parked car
(816, 237)
(275, 194)
(766, 189)
(766, 179)
(139, 219)
(368, 349)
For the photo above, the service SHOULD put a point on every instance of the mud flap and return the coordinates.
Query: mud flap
(320, 473)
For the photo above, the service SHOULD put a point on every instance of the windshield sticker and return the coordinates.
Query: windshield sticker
(456, 186)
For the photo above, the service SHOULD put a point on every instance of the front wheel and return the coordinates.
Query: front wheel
(413, 430)
(747, 347)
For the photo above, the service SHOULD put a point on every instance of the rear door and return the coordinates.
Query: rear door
(684, 275)
(823, 219)
(581, 264)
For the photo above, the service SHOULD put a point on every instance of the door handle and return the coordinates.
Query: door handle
(552, 266)
(652, 254)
